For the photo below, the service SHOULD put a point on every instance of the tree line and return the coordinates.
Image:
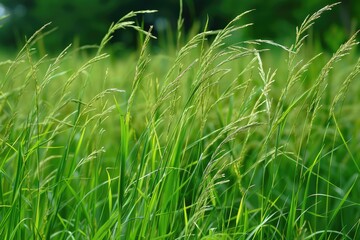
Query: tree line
(88, 20)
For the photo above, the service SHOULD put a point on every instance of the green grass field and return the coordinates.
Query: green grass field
(214, 139)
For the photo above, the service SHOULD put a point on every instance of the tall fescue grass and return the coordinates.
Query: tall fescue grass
(216, 140)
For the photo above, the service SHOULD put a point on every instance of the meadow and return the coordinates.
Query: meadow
(213, 138)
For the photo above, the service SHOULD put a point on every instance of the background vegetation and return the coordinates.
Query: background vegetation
(274, 19)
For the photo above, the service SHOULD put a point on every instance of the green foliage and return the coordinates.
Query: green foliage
(73, 19)
(211, 140)
(87, 21)
(276, 19)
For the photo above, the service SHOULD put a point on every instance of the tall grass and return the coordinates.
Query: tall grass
(217, 140)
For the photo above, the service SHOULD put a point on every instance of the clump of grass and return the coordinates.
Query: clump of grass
(215, 142)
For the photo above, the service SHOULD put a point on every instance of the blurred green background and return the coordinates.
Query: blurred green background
(86, 21)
